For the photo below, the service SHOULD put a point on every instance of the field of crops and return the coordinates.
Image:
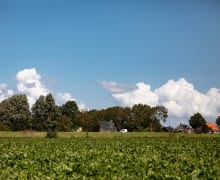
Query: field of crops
(110, 158)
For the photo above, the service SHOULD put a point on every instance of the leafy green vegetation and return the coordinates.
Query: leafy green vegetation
(46, 115)
(119, 157)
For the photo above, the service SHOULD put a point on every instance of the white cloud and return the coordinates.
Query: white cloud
(5, 92)
(141, 94)
(180, 97)
(29, 83)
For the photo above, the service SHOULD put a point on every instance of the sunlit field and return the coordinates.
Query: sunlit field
(29, 155)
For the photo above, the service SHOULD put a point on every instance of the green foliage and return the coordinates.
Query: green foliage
(45, 113)
(138, 118)
(51, 112)
(63, 123)
(110, 158)
(51, 134)
(198, 123)
(68, 120)
(88, 120)
(39, 114)
(4, 127)
(70, 109)
(15, 113)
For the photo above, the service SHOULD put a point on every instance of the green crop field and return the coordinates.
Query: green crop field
(110, 157)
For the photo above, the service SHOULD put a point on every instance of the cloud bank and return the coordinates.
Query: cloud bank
(29, 82)
(180, 97)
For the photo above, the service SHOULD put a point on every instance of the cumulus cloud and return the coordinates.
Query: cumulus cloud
(5, 92)
(29, 83)
(180, 97)
(141, 94)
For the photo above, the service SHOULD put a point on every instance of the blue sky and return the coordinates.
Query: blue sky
(77, 45)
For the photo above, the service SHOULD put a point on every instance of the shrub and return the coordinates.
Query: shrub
(51, 134)
(4, 127)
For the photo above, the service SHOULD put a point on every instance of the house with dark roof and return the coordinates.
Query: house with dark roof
(107, 126)
(183, 128)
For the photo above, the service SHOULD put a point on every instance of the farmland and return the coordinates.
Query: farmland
(110, 157)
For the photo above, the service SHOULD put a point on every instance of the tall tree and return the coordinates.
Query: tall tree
(39, 114)
(15, 113)
(142, 118)
(51, 112)
(63, 123)
(198, 123)
(70, 110)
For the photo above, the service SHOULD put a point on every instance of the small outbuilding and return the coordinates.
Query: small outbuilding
(107, 126)
(183, 128)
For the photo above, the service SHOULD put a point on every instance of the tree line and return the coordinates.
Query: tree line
(46, 115)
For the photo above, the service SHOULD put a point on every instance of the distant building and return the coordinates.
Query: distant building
(107, 126)
(213, 127)
(183, 128)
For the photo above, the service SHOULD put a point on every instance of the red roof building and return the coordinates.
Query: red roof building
(212, 126)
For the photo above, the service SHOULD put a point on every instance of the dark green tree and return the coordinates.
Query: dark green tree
(218, 121)
(89, 120)
(141, 118)
(15, 113)
(63, 123)
(198, 123)
(70, 110)
(51, 112)
(39, 114)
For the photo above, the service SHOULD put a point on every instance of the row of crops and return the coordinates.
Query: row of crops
(110, 158)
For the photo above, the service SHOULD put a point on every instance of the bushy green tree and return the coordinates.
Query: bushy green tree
(39, 114)
(70, 111)
(63, 123)
(15, 113)
(198, 123)
(45, 113)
